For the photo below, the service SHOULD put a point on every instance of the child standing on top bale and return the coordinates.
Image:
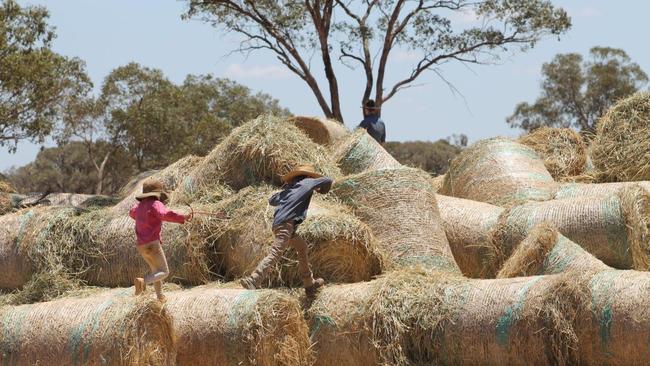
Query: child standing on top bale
(149, 214)
(291, 209)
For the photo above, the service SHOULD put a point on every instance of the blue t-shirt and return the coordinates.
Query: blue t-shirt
(375, 127)
(293, 201)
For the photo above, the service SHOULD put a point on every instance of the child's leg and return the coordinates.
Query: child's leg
(283, 233)
(303, 260)
(155, 258)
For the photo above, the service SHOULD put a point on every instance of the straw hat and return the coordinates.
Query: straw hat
(300, 170)
(152, 188)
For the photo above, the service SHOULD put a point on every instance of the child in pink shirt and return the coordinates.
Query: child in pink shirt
(149, 214)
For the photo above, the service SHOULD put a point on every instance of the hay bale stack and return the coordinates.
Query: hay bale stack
(118, 330)
(341, 247)
(258, 151)
(406, 318)
(359, 152)
(238, 327)
(564, 151)
(613, 228)
(320, 130)
(400, 208)
(619, 150)
(468, 225)
(572, 190)
(171, 177)
(498, 171)
(546, 251)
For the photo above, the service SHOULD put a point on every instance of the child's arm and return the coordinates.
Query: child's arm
(132, 211)
(165, 214)
(275, 199)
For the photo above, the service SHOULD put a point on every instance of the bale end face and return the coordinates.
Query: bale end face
(635, 204)
(528, 258)
(321, 131)
(563, 150)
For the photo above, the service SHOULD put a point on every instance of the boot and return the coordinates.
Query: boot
(139, 285)
(316, 284)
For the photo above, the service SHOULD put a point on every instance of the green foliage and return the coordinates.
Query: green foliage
(576, 93)
(364, 33)
(68, 169)
(35, 82)
(433, 157)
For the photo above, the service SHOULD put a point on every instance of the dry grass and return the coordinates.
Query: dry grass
(621, 145)
(498, 171)
(564, 151)
(320, 130)
(359, 152)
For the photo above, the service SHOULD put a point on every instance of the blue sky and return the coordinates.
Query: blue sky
(107, 34)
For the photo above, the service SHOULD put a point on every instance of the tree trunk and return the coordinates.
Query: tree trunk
(100, 174)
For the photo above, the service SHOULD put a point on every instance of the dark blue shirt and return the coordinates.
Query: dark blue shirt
(293, 201)
(375, 127)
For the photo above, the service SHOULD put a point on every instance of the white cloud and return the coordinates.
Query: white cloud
(270, 72)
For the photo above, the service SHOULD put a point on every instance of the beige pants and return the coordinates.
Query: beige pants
(155, 258)
(285, 235)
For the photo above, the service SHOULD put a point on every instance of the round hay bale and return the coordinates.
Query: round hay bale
(341, 247)
(118, 330)
(238, 327)
(564, 150)
(613, 228)
(172, 177)
(619, 149)
(359, 152)
(572, 190)
(258, 151)
(320, 130)
(400, 208)
(468, 225)
(498, 171)
(546, 251)
(406, 318)
(5, 187)
(6, 203)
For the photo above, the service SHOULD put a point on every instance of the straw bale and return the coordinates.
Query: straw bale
(546, 251)
(258, 151)
(468, 225)
(341, 247)
(498, 171)
(320, 130)
(6, 203)
(613, 228)
(70, 199)
(564, 151)
(406, 318)
(620, 147)
(571, 190)
(5, 187)
(359, 152)
(400, 208)
(116, 330)
(238, 327)
(171, 177)
(437, 182)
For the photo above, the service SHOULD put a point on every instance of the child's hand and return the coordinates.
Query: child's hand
(189, 217)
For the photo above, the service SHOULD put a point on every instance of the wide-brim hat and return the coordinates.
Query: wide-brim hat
(153, 188)
(301, 170)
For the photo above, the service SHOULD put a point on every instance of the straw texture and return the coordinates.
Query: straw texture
(468, 225)
(359, 152)
(564, 151)
(238, 327)
(320, 130)
(115, 330)
(572, 190)
(400, 208)
(498, 171)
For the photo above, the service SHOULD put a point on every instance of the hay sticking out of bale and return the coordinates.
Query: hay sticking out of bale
(620, 148)
(546, 251)
(563, 150)
(6, 203)
(468, 225)
(341, 247)
(498, 171)
(172, 177)
(238, 327)
(437, 182)
(5, 187)
(407, 318)
(359, 152)
(258, 151)
(612, 228)
(400, 208)
(320, 130)
(118, 330)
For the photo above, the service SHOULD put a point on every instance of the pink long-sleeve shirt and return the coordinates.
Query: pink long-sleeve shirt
(149, 215)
